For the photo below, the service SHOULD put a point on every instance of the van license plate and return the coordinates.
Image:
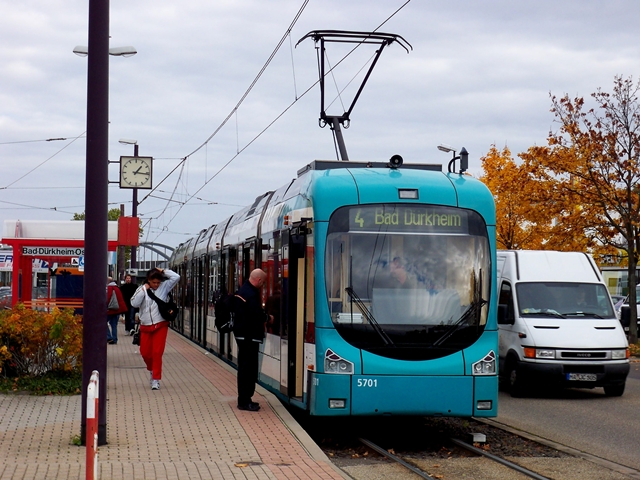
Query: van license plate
(582, 377)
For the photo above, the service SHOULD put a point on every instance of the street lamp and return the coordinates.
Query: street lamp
(463, 157)
(94, 345)
(134, 206)
(83, 51)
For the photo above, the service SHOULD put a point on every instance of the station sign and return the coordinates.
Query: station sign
(53, 251)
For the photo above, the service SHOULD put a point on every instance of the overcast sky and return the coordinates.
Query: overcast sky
(480, 73)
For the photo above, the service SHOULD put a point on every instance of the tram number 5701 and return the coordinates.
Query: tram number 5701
(367, 382)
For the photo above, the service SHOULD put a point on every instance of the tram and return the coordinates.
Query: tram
(381, 284)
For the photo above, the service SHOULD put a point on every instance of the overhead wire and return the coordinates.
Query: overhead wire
(255, 80)
(42, 163)
(259, 134)
(234, 110)
(35, 141)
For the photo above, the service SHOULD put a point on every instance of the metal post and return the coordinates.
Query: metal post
(121, 261)
(94, 342)
(134, 213)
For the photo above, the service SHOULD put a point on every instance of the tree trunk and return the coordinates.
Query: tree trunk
(633, 300)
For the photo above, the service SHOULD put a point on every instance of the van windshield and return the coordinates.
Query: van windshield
(564, 300)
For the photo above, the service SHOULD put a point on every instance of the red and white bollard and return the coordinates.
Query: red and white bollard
(92, 426)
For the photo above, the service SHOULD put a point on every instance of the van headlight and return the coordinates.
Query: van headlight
(544, 353)
(486, 366)
(619, 354)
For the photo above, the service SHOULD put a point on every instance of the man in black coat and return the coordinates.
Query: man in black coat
(248, 328)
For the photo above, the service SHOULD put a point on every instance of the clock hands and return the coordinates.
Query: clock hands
(136, 172)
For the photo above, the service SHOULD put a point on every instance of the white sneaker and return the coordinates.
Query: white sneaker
(155, 384)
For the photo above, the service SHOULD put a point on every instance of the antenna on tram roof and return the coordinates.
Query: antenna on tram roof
(343, 36)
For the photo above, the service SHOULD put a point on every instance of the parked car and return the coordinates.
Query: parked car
(624, 313)
(617, 298)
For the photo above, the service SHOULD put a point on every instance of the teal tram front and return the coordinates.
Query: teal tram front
(381, 285)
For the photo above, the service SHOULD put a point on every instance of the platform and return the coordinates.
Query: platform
(190, 428)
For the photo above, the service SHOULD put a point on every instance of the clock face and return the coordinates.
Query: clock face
(135, 172)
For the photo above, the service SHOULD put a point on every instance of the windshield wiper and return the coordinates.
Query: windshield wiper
(582, 314)
(546, 313)
(473, 309)
(368, 315)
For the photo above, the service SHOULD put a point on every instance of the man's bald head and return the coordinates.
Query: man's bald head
(257, 278)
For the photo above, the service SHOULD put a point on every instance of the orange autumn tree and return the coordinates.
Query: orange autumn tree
(505, 179)
(523, 220)
(595, 158)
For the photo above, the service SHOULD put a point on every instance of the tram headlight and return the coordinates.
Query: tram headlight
(334, 363)
(486, 366)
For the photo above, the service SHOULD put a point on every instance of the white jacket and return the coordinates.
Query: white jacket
(149, 313)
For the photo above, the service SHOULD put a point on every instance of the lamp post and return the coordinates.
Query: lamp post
(94, 339)
(134, 206)
(463, 157)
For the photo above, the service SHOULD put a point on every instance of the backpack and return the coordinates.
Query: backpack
(223, 309)
(113, 301)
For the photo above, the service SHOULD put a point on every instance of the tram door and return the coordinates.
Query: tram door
(227, 283)
(199, 300)
(293, 302)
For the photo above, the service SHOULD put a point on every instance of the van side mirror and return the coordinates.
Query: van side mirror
(503, 319)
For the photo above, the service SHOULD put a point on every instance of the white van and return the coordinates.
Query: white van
(557, 323)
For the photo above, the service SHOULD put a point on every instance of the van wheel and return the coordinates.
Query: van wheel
(614, 390)
(515, 384)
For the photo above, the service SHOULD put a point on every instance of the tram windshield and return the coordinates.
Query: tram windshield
(408, 281)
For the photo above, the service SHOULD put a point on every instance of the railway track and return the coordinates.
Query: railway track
(430, 448)
(460, 443)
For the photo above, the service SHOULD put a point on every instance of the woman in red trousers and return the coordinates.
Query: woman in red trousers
(153, 328)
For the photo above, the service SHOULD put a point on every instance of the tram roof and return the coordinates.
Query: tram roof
(333, 164)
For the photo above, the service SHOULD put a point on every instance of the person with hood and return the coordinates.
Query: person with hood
(115, 306)
(153, 328)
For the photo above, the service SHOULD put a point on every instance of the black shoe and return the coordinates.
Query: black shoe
(251, 407)
(111, 342)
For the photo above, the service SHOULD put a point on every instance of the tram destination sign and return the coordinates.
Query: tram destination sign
(401, 218)
(53, 251)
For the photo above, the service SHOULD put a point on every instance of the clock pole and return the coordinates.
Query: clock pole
(134, 213)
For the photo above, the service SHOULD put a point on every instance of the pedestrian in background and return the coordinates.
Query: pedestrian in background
(153, 328)
(248, 328)
(114, 309)
(128, 288)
